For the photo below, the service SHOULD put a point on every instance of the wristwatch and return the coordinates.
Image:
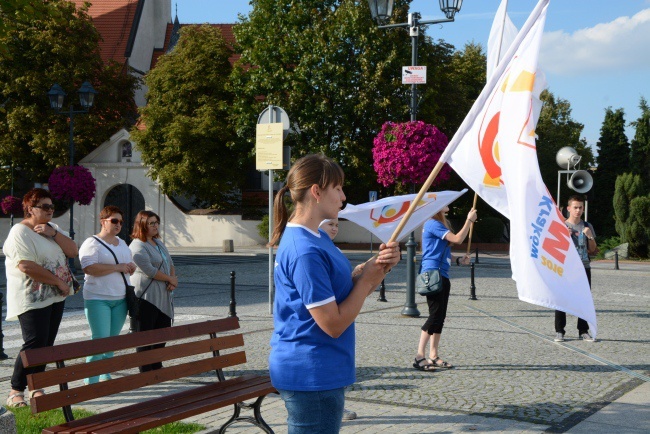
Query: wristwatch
(458, 261)
(591, 238)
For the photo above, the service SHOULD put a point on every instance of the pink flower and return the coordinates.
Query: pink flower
(72, 184)
(12, 205)
(407, 153)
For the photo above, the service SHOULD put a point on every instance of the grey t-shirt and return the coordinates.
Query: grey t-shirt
(580, 240)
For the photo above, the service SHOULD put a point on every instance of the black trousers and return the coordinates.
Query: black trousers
(560, 317)
(39, 328)
(151, 318)
(437, 308)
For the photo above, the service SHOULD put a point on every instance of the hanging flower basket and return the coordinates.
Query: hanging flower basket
(72, 184)
(12, 205)
(407, 152)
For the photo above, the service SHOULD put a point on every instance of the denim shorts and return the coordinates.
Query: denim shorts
(318, 412)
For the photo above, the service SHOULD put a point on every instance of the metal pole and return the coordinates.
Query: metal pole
(476, 260)
(271, 261)
(71, 142)
(382, 292)
(233, 303)
(12, 191)
(472, 287)
(3, 355)
(616, 261)
(410, 307)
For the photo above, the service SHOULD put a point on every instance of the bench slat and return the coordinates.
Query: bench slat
(127, 361)
(131, 382)
(41, 356)
(171, 407)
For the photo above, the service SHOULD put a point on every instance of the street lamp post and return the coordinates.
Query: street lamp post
(381, 11)
(86, 98)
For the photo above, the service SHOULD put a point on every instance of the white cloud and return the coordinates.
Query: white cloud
(619, 45)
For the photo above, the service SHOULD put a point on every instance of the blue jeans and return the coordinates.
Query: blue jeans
(314, 412)
(106, 318)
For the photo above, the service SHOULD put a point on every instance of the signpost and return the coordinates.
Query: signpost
(272, 129)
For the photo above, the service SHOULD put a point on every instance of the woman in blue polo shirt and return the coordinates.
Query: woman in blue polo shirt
(316, 299)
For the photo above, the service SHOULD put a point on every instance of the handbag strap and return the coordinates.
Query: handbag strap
(126, 285)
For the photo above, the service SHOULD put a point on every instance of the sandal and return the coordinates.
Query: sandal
(16, 404)
(34, 392)
(439, 363)
(417, 365)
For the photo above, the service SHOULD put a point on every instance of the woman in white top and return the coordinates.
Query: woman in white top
(38, 281)
(107, 262)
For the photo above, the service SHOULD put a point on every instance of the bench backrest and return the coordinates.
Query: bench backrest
(203, 346)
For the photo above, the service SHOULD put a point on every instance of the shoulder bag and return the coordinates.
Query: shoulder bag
(132, 300)
(429, 282)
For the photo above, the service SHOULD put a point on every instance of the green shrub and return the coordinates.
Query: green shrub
(607, 244)
(263, 228)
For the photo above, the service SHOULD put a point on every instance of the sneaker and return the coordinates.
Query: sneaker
(349, 415)
(587, 337)
(559, 337)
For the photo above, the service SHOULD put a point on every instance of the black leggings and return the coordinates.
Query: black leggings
(151, 318)
(437, 308)
(39, 327)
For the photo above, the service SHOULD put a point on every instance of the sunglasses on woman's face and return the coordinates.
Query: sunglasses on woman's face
(153, 223)
(45, 207)
(115, 221)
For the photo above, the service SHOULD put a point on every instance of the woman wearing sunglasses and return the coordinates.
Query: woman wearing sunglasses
(38, 281)
(154, 279)
(108, 264)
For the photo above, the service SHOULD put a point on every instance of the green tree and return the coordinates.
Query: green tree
(638, 230)
(640, 146)
(45, 51)
(555, 130)
(628, 187)
(20, 12)
(187, 139)
(613, 160)
(337, 76)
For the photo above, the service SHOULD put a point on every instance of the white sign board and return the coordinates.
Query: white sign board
(268, 147)
(414, 74)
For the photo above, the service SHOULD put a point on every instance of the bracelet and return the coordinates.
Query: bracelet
(56, 232)
(458, 261)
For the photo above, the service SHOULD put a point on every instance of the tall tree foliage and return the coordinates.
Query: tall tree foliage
(557, 129)
(613, 160)
(336, 75)
(45, 50)
(21, 12)
(186, 138)
(640, 146)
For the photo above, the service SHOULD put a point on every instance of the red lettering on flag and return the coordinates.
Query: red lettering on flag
(559, 244)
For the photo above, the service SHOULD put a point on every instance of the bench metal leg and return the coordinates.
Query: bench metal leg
(257, 420)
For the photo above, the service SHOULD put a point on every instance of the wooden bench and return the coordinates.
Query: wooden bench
(199, 353)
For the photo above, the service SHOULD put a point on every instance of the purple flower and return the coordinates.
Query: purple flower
(407, 153)
(12, 205)
(72, 184)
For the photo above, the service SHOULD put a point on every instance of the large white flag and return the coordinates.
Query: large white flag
(494, 152)
(382, 217)
(502, 35)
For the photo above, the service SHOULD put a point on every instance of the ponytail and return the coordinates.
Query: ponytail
(280, 217)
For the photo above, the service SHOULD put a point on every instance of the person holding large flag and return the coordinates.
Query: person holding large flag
(316, 299)
(437, 239)
(584, 239)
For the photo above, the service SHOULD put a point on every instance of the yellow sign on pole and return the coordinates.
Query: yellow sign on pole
(268, 147)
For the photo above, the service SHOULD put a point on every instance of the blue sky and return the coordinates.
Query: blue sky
(594, 52)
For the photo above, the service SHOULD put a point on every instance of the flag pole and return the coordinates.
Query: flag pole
(471, 226)
(432, 176)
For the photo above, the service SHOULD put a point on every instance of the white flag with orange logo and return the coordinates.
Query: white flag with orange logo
(382, 217)
(502, 34)
(494, 152)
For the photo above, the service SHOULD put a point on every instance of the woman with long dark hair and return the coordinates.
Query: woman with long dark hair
(437, 239)
(316, 299)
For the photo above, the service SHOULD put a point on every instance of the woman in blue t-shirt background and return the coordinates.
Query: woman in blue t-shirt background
(316, 299)
(437, 239)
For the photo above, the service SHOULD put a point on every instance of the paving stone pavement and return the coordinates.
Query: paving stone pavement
(509, 375)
